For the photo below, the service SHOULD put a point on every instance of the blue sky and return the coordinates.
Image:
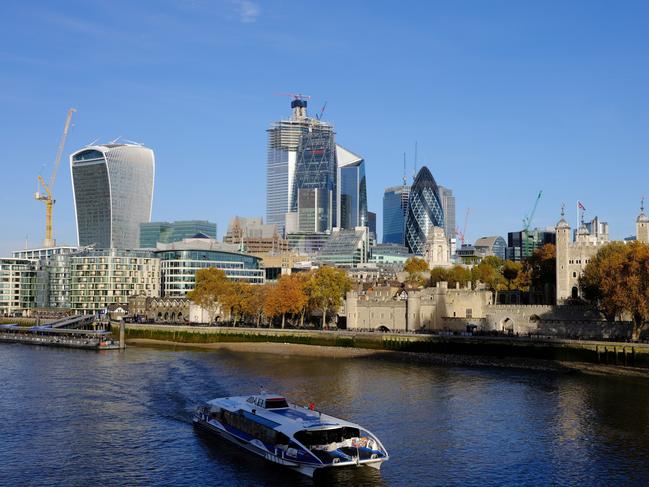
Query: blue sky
(504, 99)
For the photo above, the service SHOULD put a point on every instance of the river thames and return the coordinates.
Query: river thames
(78, 418)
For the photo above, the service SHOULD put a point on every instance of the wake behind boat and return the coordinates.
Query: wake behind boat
(297, 437)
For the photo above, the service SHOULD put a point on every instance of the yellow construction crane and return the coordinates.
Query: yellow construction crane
(47, 197)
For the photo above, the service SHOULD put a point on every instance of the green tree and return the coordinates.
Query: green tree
(510, 272)
(489, 272)
(211, 285)
(541, 267)
(458, 274)
(437, 274)
(617, 280)
(327, 288)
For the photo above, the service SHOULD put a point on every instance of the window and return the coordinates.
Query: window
(276, 403)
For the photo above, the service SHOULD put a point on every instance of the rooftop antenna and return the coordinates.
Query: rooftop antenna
(415, 175)
(404, 169)
(642, 204)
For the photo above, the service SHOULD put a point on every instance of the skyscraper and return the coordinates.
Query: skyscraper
(112, 185)
(395, 209)
(286, 147)
(424, 211)
(314, 185)
(448, 205)
(351, 190)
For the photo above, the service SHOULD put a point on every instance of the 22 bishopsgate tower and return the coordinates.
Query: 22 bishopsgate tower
(112, 185)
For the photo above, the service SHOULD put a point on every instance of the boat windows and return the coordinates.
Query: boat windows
(276, 403)
(324, 437)
(253, 428)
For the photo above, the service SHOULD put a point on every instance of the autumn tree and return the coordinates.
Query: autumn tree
(617, 280)
(211, 285)
(327, 288)
(233, 298)
(253, 303)
(285, 297)
(304, 278)
(415, 267)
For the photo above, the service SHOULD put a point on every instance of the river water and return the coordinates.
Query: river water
(78, 418)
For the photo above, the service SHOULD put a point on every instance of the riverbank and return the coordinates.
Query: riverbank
(291, 349)
(634, 355)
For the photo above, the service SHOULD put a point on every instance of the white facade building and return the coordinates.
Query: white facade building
(17, 280)
(103, 277)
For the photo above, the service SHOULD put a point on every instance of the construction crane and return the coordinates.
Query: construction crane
(295, 96)
(48, 197)
(527, 222)
(462, 233)
(319, 115)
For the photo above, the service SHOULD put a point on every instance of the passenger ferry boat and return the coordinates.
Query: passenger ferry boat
(297, 437)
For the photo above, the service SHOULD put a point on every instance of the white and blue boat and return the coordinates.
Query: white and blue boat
(297, 437)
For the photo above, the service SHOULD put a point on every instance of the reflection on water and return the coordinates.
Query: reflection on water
(79, 418)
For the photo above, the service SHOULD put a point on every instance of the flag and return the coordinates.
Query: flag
(581, 206)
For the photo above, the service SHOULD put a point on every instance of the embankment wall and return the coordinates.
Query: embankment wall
(614, 353)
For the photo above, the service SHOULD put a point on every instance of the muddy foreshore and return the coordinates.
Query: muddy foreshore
(442, 359)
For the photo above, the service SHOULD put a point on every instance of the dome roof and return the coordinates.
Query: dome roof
(583, 230)
(563, 224)
(642, 218)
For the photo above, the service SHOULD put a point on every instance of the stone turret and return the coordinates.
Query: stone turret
(642, 225)
(437, 252)
(562, 271)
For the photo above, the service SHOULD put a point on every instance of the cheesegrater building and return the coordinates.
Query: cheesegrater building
(112, 186)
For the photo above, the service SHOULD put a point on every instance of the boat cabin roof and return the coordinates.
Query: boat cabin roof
(273, 409)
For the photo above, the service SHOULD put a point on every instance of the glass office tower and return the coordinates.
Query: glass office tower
(424, 211)
(166, 232)
(395, 209)
(314, 185)
(448, 205)
(352, 190)
(300, 147)
(112, 185)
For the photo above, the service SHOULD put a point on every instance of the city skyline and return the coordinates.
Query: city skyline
(572, 119)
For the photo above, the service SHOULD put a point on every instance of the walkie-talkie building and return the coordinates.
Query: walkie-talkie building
(112, 185)
(425, 211)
